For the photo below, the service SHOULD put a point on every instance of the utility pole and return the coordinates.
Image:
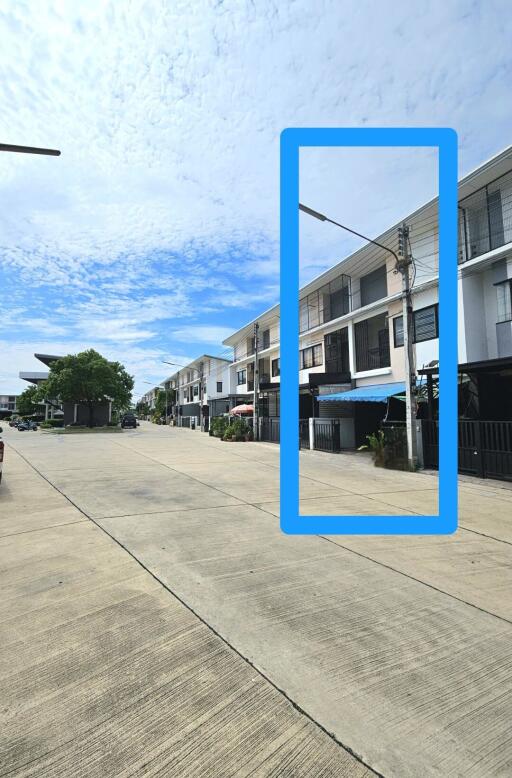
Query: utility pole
(201, 420)
(403, 264)
(255, 414)
(177, 405)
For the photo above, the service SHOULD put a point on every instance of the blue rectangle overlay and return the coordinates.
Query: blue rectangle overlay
(445, 140)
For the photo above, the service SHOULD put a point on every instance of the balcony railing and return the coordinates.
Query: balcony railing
(325, 304)
(485, 219)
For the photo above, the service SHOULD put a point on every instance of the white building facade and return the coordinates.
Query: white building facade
(7, 404)
(201, 388)
(351, 329)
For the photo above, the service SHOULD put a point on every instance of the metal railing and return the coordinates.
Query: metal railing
(485, 219)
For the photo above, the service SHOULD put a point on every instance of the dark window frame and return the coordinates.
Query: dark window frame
(314, 363)
(219, 386)
(242, 373)
(507, 282)
(276, 367)
(435, 306)
(395, 338)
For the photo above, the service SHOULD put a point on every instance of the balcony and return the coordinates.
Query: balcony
(372, 344)
(485, 219)
(325, 304)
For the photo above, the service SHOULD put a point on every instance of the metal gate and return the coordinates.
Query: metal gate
(303, 433)
(269, 429)
(484, 448)
(327, 434)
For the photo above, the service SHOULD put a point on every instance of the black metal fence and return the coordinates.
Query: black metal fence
(303, 433)
(395, 438)
(326, 431)
(484, 448)
(269, 429)
(327, 434)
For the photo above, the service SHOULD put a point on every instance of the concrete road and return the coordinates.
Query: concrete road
(400, 649)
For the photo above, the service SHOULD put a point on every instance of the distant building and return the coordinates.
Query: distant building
(71, 413)
(7, 404)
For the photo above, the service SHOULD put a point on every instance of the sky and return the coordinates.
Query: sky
(156, 233)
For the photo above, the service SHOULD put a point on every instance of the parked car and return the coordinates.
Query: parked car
(1, 455)
(27, 425)
(128, 420)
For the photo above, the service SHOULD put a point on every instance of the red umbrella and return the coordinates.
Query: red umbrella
(240, 410)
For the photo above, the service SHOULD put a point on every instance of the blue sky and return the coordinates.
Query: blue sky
(155, 234)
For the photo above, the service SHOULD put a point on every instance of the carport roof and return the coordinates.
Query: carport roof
(375, 393)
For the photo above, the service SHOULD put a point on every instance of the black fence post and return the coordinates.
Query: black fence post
(480, 472)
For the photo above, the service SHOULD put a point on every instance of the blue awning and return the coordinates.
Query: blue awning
(375, 393)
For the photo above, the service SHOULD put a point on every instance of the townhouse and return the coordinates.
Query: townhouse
(485, 291)
(351, 326)
(201, 389)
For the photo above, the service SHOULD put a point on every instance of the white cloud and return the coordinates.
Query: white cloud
(163, 209)
(195, 333)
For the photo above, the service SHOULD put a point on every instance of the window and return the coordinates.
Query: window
(276, 367)
(504, 292)
(425, 326)
(196, 390)
(250, 346)
(241, 377)
(398, 331)
(265, 339)
(373, 286)
(219, 386)
(311, 357)
(372, 343)
(329, 302)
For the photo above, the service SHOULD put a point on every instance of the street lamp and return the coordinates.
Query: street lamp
(402, 266)
(321, 217)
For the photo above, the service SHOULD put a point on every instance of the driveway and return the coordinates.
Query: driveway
(395, 650)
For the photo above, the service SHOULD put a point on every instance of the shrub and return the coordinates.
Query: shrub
(237, 429)
(218, 425)
(49, 423)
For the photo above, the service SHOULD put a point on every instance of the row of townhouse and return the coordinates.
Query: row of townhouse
(196, 391)
(351, 328)
(351, 325)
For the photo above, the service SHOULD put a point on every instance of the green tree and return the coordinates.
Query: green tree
(142, 409)
(160, 402)
(88, 378)
(27, 402)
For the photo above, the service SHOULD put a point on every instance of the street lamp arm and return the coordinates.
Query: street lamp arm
(29, 150)
(321, 217)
